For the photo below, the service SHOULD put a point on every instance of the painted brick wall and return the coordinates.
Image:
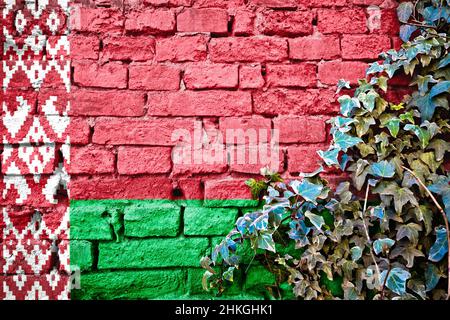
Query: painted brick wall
(142, 69)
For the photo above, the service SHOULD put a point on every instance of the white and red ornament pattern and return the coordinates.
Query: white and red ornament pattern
(35, 105)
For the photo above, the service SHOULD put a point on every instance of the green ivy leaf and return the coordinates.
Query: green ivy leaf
(408, 252)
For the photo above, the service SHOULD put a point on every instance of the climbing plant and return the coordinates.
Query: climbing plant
(383, 233)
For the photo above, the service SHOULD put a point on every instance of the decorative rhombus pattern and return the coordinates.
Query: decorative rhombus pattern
(36, 150)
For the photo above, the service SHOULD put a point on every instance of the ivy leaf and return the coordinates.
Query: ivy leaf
(382, 245)
(377, 212)
(404, 11)
(407, 116)
(383, 169)
(356, 253)
(265, 241)
(363, 125)
(406, 31)
(342, 84)
(394, 126)
(444, 62)
(330, 156)
(205, 279)
(410, 231)
(441, 87)
(442, 187)
(368, 99)
(408, 252)
(316, 220)
(344, 141)
(228, 275)
(440, 147)
(374, 68)
(432, 277)
(396, 280)
(401, 195)
(348, 104)
(440, 247)
(423, 134)
(309, 191)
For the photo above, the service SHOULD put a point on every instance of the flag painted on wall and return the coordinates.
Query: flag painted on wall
(137, 123)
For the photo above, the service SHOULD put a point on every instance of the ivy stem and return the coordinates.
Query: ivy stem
(366, 229)
(445, 221)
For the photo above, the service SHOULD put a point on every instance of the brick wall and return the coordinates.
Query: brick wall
(142, 69)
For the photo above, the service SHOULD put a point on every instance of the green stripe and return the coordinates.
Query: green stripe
(150, 249)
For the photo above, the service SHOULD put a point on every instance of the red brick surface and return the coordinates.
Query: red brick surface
(154, 67)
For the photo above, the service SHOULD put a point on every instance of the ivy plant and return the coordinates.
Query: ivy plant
(383, 233)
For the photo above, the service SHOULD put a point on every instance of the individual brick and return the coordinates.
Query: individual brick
(342, 21)
(143, 160)
(250, 77)
(78, 131)
(203, 20)
(281, 4)
(295, 102)
(304, 158)
(149, 220)
(201, 221)
(314, 48)
(254, 49)
(89, 222)
(107, 103)
(145, 284)
(91, 160)
(109, 20)
(84, 47)
(151, 21)
(300, 129)
(202, 103)
(180, 49)
(136, 131)
(122, 187)
(91, 74)
(81, 254)
(154, 77)
(258, 278)
(291, 75)
(211, 76)
(330, 72)
(285, 23)
(244, 130)
(128, 48)
(228, 193)
(364, 46)
(244, 21)
(152, 253)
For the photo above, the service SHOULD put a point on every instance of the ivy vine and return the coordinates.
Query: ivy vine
(384, 233)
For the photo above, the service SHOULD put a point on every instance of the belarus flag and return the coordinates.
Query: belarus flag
(129, 128)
